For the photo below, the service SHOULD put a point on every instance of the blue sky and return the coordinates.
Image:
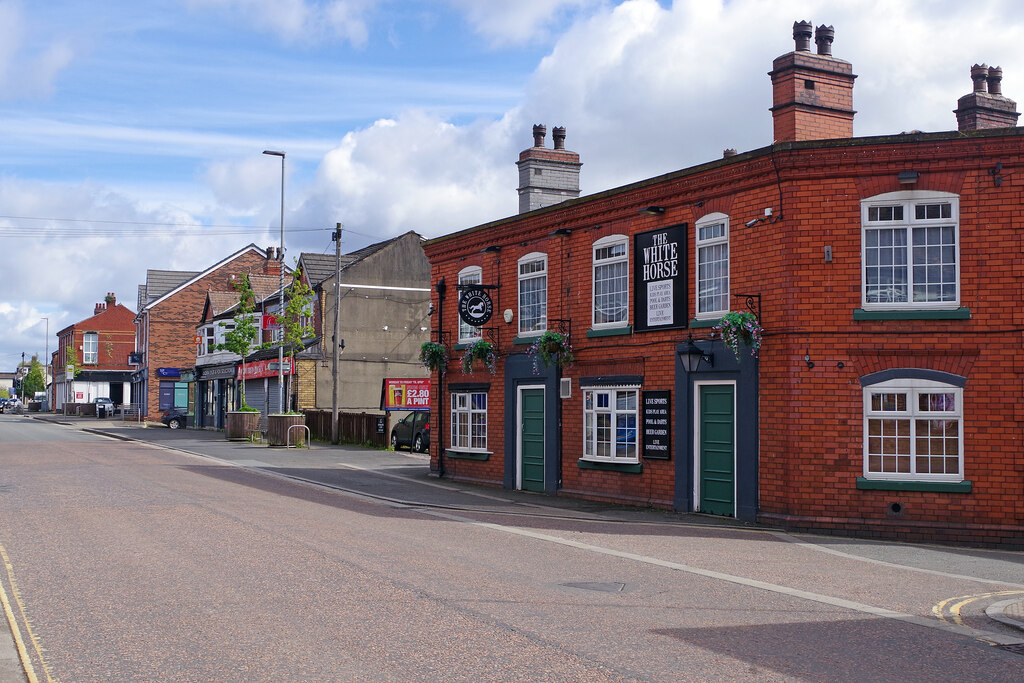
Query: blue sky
(128, 124)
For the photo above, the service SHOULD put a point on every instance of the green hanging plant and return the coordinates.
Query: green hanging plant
(740, 326)
(434, 356)
(549, 348)
(481, 350)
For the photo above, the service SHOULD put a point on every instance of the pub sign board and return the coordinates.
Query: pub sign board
(659, 279)
(656, 424)
(475, 306)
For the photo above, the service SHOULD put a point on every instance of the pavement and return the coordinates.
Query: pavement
(395, 477)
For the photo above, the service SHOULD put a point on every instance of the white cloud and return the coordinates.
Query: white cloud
(27, 69)
(301, 20)
(509, 23)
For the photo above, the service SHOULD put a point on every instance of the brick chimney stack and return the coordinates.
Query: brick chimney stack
(812, 94)
(547, 176)
(99, 308)
(986, 107)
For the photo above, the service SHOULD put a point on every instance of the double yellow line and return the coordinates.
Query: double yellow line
(10, 602)
(951, 607)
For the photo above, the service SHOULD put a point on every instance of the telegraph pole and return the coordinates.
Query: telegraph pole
(335, 341)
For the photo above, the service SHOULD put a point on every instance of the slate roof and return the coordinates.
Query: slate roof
(319, 267)
(159, 282)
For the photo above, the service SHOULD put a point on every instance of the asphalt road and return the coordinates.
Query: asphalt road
(134, 562)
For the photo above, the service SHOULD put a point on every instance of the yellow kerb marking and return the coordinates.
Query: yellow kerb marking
(19, 642)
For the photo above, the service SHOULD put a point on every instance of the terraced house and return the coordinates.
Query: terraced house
(886, 397)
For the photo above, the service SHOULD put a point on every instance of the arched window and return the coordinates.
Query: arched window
(712, 253)
(910, 251)
(471, 275)
(611, 282)
(533, 293)
(913, 426)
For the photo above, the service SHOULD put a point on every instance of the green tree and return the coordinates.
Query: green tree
(241, 339)
(71, 358)
(298, 314)
(35, 380)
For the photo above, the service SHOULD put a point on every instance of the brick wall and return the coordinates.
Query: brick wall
(811, 419)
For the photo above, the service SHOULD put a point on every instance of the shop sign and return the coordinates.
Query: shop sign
(406, 394)
(269, 322)
(262, 368)
(659, 279)
(168, 372)
(135, 358)
(656, 424)
(475, 306)
(381, 424)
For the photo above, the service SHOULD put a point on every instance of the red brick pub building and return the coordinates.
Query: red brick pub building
(887, 398)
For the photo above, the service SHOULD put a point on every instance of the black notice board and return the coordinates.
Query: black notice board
(659, 279)
(656, 423)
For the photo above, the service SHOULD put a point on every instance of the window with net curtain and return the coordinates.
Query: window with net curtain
(533, 293)
(712, 250)
(611, 282)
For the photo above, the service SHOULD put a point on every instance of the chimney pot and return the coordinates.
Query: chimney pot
(995, 80)
(979, 74)
(726, 153)
(823, 37)
(802, 35)
(558, 133)
(539, 131)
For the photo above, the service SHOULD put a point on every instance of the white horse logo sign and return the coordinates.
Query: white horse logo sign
(475, 306)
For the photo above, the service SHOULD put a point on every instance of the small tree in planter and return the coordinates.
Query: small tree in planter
(481, 350)
(434, 357)
(740, 326)
(242, 338)
(551, 347)
(295, 323)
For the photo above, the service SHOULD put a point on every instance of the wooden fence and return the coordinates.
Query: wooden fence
(358, 428)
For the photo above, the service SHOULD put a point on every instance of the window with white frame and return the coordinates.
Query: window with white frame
(910, 250)
(469, 420)
(209, 344)
(472, 275)
(610, 417)
(712, 265)
(533, 293)
(90, 348)
(913, 429)
(611, 281)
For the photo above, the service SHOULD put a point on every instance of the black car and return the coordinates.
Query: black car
(175, 418)
(413, 431)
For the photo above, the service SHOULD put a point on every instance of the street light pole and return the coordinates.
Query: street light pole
(280, 256)
(46, 360)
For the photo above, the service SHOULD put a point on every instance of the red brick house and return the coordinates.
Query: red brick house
(100, 348)
(170, 303)
(886, 272)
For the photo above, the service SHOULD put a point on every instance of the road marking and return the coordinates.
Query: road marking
(955, 605)
(19, 642)
(882, 563)
(977, 634)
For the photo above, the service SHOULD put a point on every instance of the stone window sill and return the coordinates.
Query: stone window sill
(962, 313)
(933, 486)
(609, 331)
(467, 455)
(629, 468)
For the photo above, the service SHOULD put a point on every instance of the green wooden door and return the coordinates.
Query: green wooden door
(531, 439)
(717, 449)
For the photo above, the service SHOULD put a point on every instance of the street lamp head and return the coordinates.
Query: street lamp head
(273, 153)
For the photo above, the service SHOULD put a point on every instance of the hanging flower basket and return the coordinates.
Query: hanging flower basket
(551, 347)
(740, 326)
(481, 350)
(434, 356)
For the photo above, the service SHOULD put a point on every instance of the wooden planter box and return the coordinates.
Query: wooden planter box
(277, 430)
(240, 425)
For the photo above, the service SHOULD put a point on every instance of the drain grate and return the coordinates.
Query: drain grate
(600, 586)
(1017, 649)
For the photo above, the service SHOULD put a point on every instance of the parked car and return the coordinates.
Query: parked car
(9, 405)
(175, 418)
(413, 431)
(104, 407)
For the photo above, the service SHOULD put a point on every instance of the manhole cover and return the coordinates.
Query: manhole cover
(601, 586)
